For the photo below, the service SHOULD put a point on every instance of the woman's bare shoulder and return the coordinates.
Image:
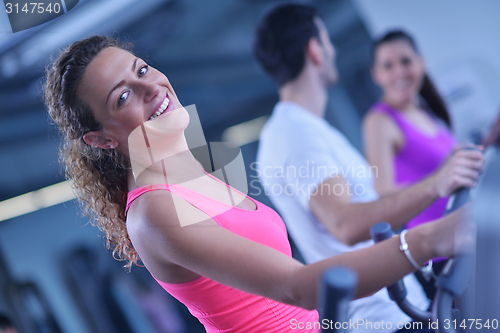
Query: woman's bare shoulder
(379, 119)
(163, 209)
(380, 124)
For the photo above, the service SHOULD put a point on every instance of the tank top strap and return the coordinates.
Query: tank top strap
(381, 107)
(407, 128)
(194, 198)
(209, 206)
(134, 194)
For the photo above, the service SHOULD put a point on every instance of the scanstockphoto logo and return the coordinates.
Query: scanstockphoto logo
(28, 14)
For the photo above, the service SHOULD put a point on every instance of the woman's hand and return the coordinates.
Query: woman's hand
(462, 168)
(450, 235)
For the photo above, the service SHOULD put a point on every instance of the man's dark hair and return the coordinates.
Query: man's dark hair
(281, 40)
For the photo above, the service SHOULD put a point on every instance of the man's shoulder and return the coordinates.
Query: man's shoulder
(280, 137)
(295, 127)
(284, 137)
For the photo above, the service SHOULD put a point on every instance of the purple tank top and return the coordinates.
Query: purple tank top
(420, 156)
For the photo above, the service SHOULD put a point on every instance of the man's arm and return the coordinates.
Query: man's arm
(350, 222)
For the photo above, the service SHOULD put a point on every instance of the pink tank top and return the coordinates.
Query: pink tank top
(421, 155)
(224, 309)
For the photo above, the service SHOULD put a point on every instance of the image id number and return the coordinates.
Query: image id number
(32, 8)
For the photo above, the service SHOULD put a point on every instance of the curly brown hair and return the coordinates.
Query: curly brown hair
(99, 175)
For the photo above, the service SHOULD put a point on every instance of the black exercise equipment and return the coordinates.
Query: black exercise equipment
(449, 286)
(485, 304)
(336, 290)
(397, 291)
(452, 282)
(455, 277)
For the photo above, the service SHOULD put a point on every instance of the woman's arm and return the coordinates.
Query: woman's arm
(382, 139)
(218, 254)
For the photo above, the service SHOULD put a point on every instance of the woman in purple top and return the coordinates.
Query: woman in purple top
(407, 133)
(420, 153)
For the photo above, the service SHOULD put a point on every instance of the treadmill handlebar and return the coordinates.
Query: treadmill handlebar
(460, 196)
(337, 288)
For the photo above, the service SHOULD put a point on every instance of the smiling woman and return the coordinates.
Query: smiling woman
(409, 122)
(408, 132)
(221, 253)
(139, 93)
